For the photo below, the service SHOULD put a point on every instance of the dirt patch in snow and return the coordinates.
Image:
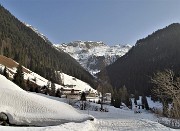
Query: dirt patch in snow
(10, 63)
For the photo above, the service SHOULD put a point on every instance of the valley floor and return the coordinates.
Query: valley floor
(114, 120)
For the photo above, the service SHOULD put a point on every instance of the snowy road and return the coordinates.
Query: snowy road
(129, 125)
(125, 120)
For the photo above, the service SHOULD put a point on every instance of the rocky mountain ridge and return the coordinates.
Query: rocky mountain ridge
(93, 56)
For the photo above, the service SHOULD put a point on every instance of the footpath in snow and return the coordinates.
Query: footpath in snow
(123, 120)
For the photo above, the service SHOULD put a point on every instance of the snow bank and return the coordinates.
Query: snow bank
(84, 126)
(25, 108)
(154, 104)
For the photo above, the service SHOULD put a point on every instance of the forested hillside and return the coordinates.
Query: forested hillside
(156, 52)
(22, 44)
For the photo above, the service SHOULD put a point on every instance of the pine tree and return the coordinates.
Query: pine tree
(53, 89)
(125, 93)
(124, 96)
(58, 93)
(117, 99)
(128, 102)
(144, 102)
(58, 77)
(19, 78)
(1, 71)
(48, 84)
(120, 94)
(31, 89)
(5, 73)
(37, 89)
(126, 99)
(28, 85)
(83, 99)
(112, 101)
(135, 101)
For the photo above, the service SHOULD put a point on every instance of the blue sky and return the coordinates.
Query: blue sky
(110, 21)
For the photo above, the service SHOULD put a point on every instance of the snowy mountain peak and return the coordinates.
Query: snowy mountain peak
(84, 44)
(93, 56)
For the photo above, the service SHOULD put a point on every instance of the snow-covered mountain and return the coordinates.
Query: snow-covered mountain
(93, 56)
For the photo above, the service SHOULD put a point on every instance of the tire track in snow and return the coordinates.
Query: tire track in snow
(129, 125)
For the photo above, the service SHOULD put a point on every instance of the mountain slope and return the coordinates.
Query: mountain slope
(25, 46)
(94, 56)
(12, 65)
(35, 30)
(158, 51)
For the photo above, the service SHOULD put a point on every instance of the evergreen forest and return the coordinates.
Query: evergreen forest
(157, 52)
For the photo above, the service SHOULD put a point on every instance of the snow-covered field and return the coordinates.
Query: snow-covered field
(30, 108)
(25, 108)
(39, 110)
(77, 84)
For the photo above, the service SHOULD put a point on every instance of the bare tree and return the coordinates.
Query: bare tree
(167, 86)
